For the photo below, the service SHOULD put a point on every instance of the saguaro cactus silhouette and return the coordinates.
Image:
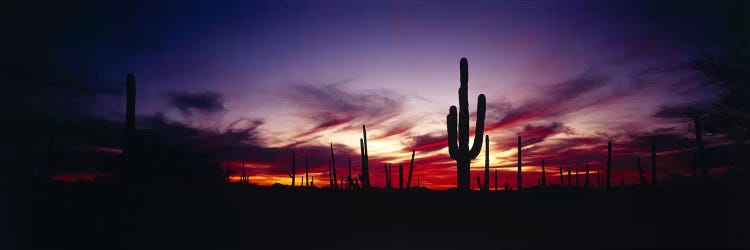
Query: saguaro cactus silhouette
(609, 163)
(519, 163)
(562, 178)
(307, 183)
(459, 150)
(387, 168)
(411, 169)
(292, 173)
(333, 167)
(364, 159)
(244, 178)
(330, 180)
(570, 183)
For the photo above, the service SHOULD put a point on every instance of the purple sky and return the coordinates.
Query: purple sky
(306, 74)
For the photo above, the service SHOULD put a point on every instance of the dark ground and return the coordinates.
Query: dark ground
(101, 216)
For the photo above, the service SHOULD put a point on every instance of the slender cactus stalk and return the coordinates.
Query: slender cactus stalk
(244, 178)
(307, 183)
(459, 150)
(411, 169)
(519, 164)
(333, 167)
(562, 180)
(570, 183)
(330, 177)
(364, 159)
(577, 178)
(293, 172)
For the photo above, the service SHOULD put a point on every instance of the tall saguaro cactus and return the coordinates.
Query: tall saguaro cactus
(330, 178)
(364, 159)
(244, 178)
(609, 164)
(293, 172)
(460, 150)
(333, 167)
(411, 169)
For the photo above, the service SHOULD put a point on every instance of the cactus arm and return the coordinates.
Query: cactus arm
(364, 137)
(411, 168)
(452, 144)
(479, 132)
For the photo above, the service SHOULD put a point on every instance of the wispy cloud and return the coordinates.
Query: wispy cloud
(204, 102)
(557, 100)
(330, 106)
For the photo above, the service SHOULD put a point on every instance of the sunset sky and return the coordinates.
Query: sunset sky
(249, 82)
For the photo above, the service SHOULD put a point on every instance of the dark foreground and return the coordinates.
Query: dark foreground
(99, 216)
